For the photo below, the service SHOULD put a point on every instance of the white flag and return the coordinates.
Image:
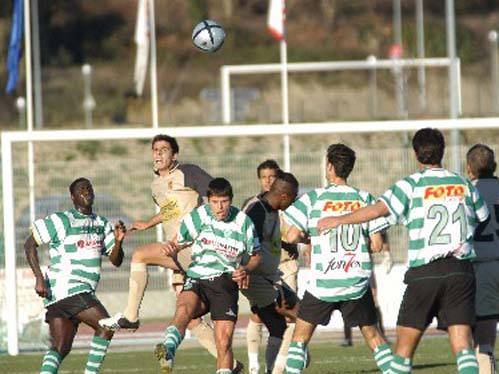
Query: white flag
(142, 41)
(276, 17)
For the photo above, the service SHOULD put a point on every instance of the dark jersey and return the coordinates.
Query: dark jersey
(486, 238)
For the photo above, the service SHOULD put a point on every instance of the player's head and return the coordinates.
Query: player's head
(220, 196)
(429, 146)
(285, 189)
(480, 161)
(164, 153)
(341, 158)
(267, 172)
(82, 193)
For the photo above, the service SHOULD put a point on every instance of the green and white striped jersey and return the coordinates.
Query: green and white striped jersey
(217, 245)
(340, 261)
(76, 243)
(440, 209)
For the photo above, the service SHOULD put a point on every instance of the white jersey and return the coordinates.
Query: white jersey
(340, 259)
(76, 242)
(217, 245)
(440, 209)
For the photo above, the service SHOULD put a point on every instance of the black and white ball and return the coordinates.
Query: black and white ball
(208, 36)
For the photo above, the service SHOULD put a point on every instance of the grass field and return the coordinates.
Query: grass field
(433, 356)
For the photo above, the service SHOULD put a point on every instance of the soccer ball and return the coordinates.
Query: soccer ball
(208, 36)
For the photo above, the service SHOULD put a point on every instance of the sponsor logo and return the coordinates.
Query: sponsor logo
(346, 263)
(444, 191)
(89, 243)
(170, 210)
(341, 206)
(224, 248)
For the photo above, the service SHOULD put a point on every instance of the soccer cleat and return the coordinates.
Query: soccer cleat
(254, 370)
(308, 358)
(239, 368)
(119, 321)
(164, 358)
(346, 343)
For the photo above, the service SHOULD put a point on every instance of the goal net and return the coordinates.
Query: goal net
(118, 162)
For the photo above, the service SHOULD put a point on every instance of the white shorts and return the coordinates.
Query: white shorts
(487, 288)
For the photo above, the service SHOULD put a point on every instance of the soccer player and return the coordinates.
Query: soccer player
(440, 210)
(386, 264)
(177, 189)
(270, 305)
(341, 262)
(481, 167)
(220, 236)
(288, 265)
(77, 239)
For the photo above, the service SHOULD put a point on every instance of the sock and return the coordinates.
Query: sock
(136, 288)
(280, 362)
(206, 337)
(273, 346)
(172, 339)
(253, 338)
(297, 356)
(383, 357)
(400, 365)
(98, 349)
(224, 371)
(486, 359)
(51, 362)
(466, 362)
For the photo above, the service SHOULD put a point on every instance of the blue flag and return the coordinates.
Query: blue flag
(15, 45)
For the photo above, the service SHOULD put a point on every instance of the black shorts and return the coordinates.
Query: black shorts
(445, 289)
(220, 296)
(358, 312)
(69, 307)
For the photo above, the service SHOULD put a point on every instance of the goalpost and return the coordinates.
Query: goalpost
(11, 138)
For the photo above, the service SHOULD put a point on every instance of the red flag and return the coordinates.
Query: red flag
(275, 18)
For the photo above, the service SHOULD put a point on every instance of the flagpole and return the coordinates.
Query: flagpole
(285, 103)
(29, 106)
(154, 75)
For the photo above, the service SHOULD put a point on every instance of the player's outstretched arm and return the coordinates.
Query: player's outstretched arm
(30, 249)
(143, 225)
(361, 215)
(116, 255)
(376, 242)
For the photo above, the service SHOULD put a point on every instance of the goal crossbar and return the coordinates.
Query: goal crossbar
(8, 138)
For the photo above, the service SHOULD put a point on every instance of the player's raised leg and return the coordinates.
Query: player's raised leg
(150, 254)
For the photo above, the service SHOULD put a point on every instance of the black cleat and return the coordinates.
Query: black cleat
(119, 321)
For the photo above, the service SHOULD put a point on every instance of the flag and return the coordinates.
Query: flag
(142, 41)
(15, 45)
(275, 18)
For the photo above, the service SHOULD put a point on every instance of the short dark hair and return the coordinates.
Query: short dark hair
(166, 138)
(72, 186)
(342, 158)
(429, 145)
(219, 187)
(267, 164)
(284, 181)
(481, 160)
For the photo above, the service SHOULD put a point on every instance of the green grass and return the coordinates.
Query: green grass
(433, 356)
